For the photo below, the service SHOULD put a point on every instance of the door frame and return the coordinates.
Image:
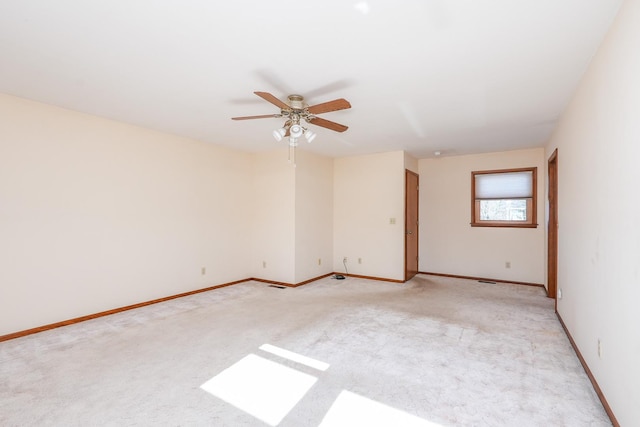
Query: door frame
(552, 227)
(409, 273)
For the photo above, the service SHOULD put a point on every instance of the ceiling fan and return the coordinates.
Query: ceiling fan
(295, 110)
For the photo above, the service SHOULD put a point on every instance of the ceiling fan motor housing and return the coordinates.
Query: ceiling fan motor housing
(296, 102)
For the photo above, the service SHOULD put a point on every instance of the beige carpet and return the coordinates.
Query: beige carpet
(430, 352)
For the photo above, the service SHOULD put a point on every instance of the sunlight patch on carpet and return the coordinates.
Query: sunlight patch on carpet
(260, 387)
(295, 357)
(351, 409)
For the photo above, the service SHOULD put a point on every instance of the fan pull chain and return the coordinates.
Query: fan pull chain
(292, 155)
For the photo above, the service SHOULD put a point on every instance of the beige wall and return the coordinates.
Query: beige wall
(411, 163)
(598, 141)
(449, 245)
(96, 214)
(368, 191)
(292, 216)
(314, 216)
(273, 210)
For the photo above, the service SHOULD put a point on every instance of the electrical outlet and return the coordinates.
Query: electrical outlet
(507, 264)
(560, 293)
(319, 261)
(392, 221)
(203, 271)
(344, 259)
(359, 260)
(264, 264)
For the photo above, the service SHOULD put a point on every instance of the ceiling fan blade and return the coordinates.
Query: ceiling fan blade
(328, 88)
(325, 107)
(327, 124)
(272, 79)
(265, 116)
(272, 99)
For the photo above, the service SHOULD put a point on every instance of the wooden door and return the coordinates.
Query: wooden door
(411, 225)
(552, 229)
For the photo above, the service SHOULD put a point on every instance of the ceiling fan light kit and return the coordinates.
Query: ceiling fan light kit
(296, 110)
(295, 131)
(278, 134)
(309, 135)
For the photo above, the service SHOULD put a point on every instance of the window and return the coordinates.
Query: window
(504, 198)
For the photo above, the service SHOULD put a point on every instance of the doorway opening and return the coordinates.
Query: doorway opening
(411, 225)
(552, 228)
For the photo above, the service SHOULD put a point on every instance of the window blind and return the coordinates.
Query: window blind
(504, 185)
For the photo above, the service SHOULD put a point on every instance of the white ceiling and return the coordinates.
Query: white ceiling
(457, 76)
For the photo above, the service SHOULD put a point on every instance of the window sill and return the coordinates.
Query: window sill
(477, 224)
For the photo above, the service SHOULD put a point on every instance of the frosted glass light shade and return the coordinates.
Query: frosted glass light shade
(310, 136)
(296, 131)
(278, 134)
